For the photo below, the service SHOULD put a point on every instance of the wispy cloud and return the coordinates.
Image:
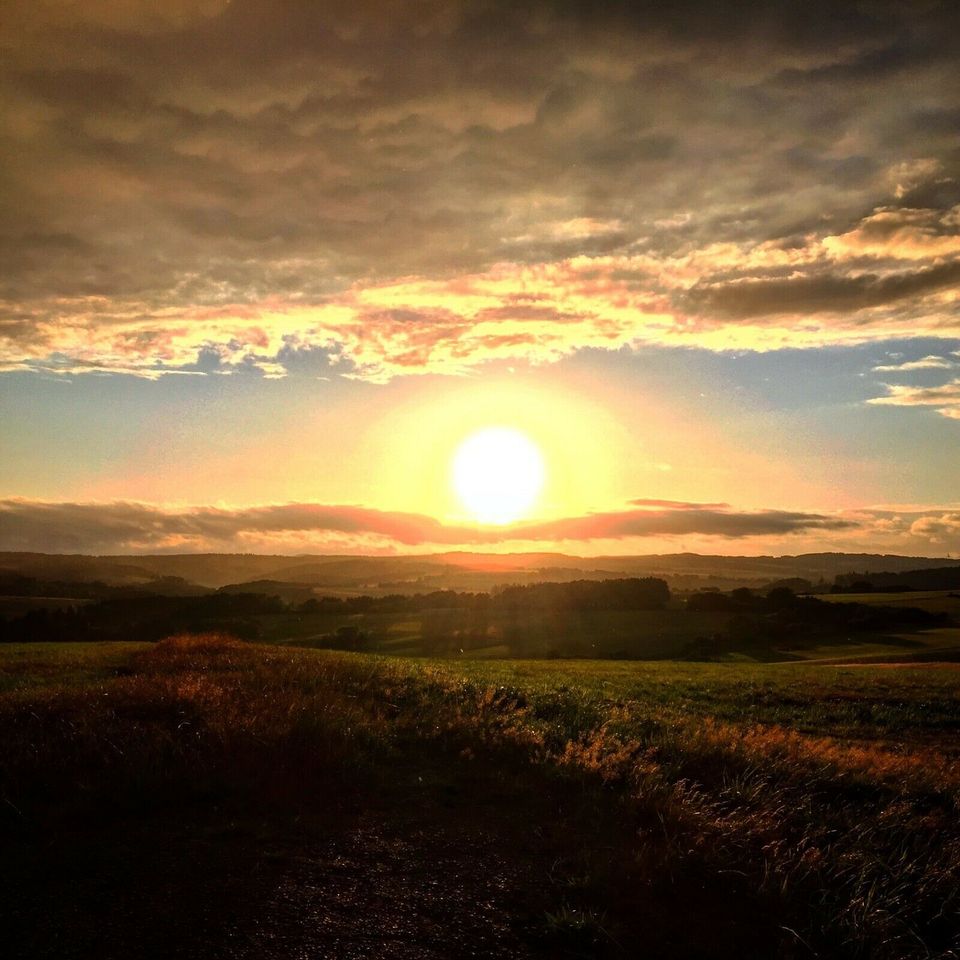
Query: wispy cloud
(930, 362)
(945, 398)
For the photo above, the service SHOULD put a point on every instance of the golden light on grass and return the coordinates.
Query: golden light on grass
(498, 473)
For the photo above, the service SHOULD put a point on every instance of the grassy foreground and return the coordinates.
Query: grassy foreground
(624, 809)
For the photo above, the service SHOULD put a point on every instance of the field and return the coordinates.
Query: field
(625, 619)
(203, 797)
(626, 634)
(638, 633)
(937, 601)
(938, 645)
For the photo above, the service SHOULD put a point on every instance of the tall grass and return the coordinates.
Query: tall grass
(191, 717)
(852, 845)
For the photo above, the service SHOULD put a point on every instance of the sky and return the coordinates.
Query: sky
(266, 264)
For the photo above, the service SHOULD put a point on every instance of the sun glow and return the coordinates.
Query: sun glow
(498, 474)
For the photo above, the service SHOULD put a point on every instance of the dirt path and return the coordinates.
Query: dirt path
(375, 893)
(358, 889)
(465, 869)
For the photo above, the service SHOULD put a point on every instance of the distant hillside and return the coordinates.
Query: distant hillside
(289, 592)
(350, 575)
(810, 566)
(119, 571)
(364, 571)
(209, 570)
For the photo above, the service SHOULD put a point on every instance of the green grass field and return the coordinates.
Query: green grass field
(936, 601)
(637, 633)
(634, 634)
(498, 807)
(938, 645)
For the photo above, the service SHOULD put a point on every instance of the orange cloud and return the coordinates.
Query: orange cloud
(122, 527)
(58, 527)
(946, 398)
(900, 233)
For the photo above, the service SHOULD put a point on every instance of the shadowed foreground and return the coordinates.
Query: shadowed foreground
(202, 797)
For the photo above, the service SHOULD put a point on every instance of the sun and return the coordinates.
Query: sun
(497, 473)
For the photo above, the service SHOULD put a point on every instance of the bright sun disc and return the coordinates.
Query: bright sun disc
(497, 474)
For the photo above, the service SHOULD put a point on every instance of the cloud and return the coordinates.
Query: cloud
(688, 519)
(231, 177)
(824, 292)
(901, 233)
(125, 527)
(944, 528)
(946, 398)
(103, 527)
(930, 362)
(677, 504)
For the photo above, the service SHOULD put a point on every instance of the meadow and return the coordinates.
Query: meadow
(203, 796)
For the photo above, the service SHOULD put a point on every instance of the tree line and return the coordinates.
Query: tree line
(151, 617)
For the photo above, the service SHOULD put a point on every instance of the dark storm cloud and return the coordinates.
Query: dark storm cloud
(63, 527)
(165, 159)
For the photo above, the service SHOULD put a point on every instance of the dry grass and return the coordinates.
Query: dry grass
(852, 846)
(187, 718)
